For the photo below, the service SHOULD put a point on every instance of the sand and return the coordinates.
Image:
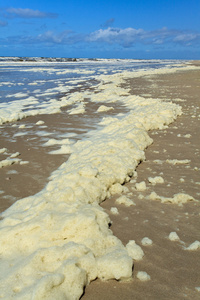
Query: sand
(174, 271)
(30, 178)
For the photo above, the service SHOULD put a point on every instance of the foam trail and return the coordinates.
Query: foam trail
(56, 242)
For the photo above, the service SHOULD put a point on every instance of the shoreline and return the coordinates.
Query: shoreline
(130, 223)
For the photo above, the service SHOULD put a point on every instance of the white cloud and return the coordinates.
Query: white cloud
(129, 36)
(116, 35)
(51, 37)
(28, 13)
(187, 37)
(126, 38)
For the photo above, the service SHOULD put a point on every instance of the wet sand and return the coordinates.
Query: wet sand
(174, 271)
(19, 181)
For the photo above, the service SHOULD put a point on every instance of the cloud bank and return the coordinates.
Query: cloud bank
(128, 37)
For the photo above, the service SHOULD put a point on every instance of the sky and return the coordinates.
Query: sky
(138, 29)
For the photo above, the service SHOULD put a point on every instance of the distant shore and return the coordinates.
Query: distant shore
(71, 59)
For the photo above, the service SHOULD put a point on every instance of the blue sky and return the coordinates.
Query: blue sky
(106, 28)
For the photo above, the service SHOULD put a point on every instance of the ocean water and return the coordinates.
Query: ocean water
(46, 80)
(55, 242)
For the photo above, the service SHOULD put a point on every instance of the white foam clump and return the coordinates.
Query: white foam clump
(79, 109)
(18, 95)
(173, 236)
(178, 161)
(64, 149)
(114, 210)
(40, 122)
(182, 180)
(125, 200)
(55, 242)
(31, 106)
(103, 108)
(178, 198)
(155, 180)
(15, 154)
(3, 150)
(143, 276)
(117, 188)
(66, 146)
(8, 162)
(52, 142)
(134, 250)
(13, 111)
(12, 160)
(140, 186)
(194, 246)
(77, 71)
(22, 126)
(146, 241)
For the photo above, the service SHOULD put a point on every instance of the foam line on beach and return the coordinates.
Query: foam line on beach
(17, 110)
(56, 242)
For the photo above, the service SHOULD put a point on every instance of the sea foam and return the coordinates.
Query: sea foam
(56, 242)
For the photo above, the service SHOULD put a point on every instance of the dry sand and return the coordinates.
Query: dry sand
(174, 271)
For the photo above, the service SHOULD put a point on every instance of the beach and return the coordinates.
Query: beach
(161, 224)
(174, 271)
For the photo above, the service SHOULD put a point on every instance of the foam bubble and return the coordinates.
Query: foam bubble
(146, 241)
(173, 236)
(143, 276)
(134, 250)
(155, 180)
(194, 246)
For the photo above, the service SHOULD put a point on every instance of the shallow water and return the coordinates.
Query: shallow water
(35, 79)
